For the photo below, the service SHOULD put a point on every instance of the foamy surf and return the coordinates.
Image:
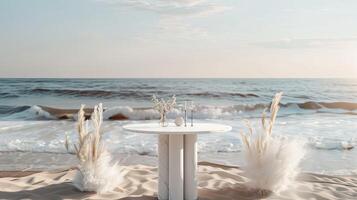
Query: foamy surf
(29, 113)
(48, 136)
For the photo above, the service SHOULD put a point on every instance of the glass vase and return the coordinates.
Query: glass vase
(163, 121)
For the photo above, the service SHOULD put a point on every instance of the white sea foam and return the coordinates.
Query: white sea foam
(332, 144)
(33, 113)
(49, 135)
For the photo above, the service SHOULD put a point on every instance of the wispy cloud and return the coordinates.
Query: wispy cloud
(175, 16)
(173, 7)
(305, 43)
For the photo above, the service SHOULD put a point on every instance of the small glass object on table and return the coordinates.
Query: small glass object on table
(191, 107)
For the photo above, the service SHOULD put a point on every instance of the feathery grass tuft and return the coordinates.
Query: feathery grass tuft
(96, 173)
(271, 162)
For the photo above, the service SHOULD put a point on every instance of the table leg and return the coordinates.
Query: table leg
(163, 150)
(190, 166)
(176, 167)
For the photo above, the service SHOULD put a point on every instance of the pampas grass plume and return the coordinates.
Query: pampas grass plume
(271, 162)
(95, 171)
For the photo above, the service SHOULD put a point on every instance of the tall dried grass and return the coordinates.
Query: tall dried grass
(96, 173)
(271, 162)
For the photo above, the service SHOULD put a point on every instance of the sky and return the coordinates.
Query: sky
(178, 38)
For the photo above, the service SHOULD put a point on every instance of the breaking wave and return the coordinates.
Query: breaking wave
(38, 112)
(330, 105)
(26, 113)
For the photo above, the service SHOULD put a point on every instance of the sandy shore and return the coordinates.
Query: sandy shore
(215, 182)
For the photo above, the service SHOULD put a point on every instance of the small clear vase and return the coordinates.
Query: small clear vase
(163, 121)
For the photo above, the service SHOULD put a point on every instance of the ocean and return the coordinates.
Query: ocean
(34, 116)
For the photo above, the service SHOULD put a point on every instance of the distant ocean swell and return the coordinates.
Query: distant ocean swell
(128, 92)
(38, 112)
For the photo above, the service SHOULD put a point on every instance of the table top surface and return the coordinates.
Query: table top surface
(197, 128)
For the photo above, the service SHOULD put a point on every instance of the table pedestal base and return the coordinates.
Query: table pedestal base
(177, 167)
(190, 178)
(163, 150)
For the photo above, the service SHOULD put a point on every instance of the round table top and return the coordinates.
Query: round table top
(197, 128)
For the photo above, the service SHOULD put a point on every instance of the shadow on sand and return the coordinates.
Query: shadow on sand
(68, 191)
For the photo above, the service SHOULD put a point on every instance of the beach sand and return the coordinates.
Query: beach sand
(216, 182)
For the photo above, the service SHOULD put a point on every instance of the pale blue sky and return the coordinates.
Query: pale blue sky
(178, 38)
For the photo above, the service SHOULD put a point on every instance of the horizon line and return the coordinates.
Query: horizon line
(178, 77)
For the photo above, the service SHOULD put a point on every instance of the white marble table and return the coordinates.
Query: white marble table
(177, 156)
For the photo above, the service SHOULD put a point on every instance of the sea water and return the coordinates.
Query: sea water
(320, 112)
